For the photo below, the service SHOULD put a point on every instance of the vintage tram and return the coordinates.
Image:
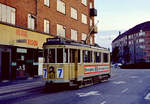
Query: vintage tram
(72, 63)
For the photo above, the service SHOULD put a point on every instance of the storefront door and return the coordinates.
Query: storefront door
(5, 65)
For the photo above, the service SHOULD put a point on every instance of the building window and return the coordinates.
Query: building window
(84, 19)
(84, 2)
(74, 13)
(61, 6)
(7, 14)
(46, 2)
(73, 34)
(46, 26)
(91, 40)
(91, 22)
(141, 40)
(84, 36)
(31, 22)
(61, 30)
(91, 6)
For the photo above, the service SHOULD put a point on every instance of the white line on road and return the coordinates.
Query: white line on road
(147, 97)
(119, 82)
(104, 102)
(125, 90)
(134, 77)
(88, 93)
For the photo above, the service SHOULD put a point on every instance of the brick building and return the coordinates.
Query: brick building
(25, 25)
(134, 44)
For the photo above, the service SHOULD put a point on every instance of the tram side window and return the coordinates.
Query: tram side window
(46, 55)
(51, 55)
(105, 57)
(72, 55)
(78, 56)
(60, 55)
(97, 57)
(66, 56)
(87, 56)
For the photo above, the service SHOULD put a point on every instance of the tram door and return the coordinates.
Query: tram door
(73, 63)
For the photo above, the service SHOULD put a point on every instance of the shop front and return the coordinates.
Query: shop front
(20, 51)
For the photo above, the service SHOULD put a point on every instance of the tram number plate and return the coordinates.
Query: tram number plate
(60, 73)
(44, 73)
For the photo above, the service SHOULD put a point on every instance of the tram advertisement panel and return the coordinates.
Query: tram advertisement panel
(91, 69)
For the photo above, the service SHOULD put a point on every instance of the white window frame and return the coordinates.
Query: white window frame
(91, 40)
(84, 18)
(91, 5)
(47, 2)
(31, 22)
(61, 7)
(74, 13)
(7, 14)
(46, 26)
(61, 30)
(74, 34)
(84, 36)
(84, 2)
(91, 22)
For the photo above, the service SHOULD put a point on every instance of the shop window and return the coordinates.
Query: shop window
(74, 14)
(46, 2)
(7, 14)
(97, 57)
(105, 57)
(84, 19)
(73, 34)
(46, 26)
(51, 55)
(61, 30)
(60, 55)
(31, 22)
(61, 6)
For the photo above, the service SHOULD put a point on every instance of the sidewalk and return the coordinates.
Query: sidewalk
(13, 82)
(18, 86)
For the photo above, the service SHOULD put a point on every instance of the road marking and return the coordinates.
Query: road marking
(88, 94)
(147, 97)
(134, 77)
(125, 90)
(119, 82)
(104, 102)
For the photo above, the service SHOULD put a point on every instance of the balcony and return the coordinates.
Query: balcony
(93, 12)
(95, 30)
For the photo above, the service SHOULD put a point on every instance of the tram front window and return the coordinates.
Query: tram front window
(60, 55)
(51, 55)
(46, 55)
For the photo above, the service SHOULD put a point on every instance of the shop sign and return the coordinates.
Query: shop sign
(21, 50)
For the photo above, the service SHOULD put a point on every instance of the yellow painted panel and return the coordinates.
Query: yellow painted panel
(19, 37)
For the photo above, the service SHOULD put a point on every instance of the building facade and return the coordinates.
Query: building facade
(134, 44)
(25, 25)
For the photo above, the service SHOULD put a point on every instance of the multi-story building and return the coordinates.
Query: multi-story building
(25, 25)
(134, 44)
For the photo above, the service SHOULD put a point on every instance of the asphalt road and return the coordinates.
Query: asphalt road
(124, 87)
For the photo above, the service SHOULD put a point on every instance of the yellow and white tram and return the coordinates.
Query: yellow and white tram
(74, 64)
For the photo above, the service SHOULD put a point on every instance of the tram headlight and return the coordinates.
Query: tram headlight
(51, 69)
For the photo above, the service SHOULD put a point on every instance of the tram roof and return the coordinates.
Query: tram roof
(61, 41)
